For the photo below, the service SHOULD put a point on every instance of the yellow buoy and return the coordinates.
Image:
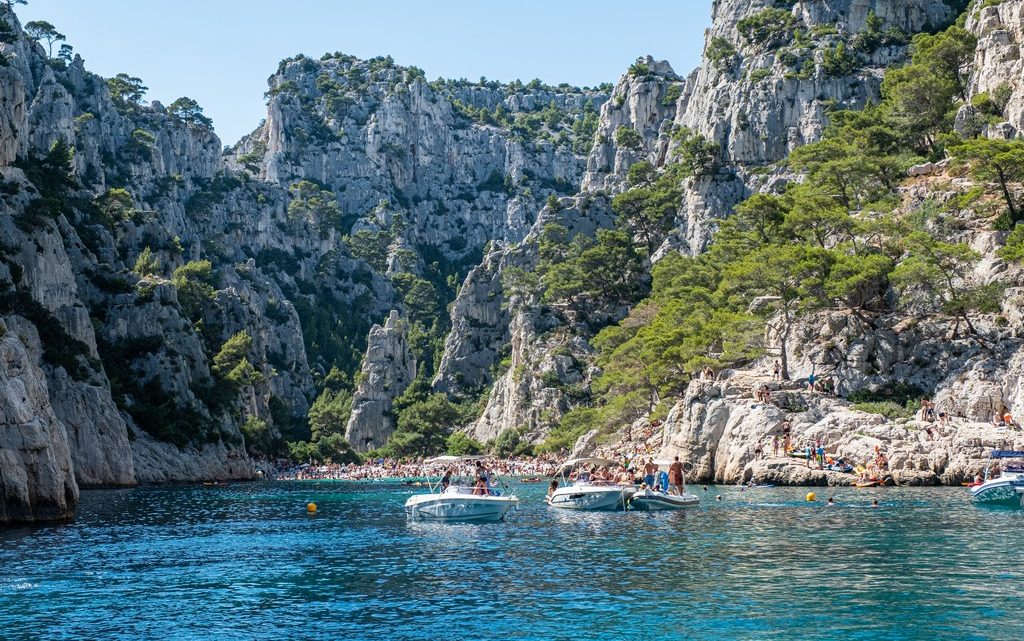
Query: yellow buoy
(311, 508)
(811, 496)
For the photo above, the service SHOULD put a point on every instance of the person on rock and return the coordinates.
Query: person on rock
(775, 445)
(777, 371)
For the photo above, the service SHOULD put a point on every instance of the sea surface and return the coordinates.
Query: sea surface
(247, 562)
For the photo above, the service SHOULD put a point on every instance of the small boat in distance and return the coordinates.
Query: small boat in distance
(1008, 487)
(474, 502)
(586, 494)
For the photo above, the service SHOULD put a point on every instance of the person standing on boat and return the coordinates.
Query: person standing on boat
(675, 476)
(446, 480)
(649, 471)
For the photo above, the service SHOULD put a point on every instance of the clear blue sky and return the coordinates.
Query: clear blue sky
(220, 52)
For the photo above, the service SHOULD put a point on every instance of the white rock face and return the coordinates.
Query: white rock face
(388, 368)
(641, 102)
(96, 432)
(374, 131)
(761, 122)
(997, 59)
(717, 427)
(157, 462)
(489, 322)
(37, 479)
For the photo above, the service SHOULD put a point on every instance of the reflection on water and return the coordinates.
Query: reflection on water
(247, 562)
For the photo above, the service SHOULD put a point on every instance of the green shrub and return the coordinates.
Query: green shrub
(257, 435)
(888, 409)
(839, 61)
(769, 28)
(672, 95)
(194, 282)
(550, 379)
(147, 264)
(721, 53)
(512, 442)
(460, 444)
(640, 68)
(628, 138)
(897, 392)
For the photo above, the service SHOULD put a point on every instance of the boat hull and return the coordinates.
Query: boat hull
(648, 501)
(1006, 490)
(591, 498)
(475, 509)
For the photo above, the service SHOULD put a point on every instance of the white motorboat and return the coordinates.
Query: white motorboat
(455, 502)
(1008, 486)
(649, 499)
(584, 494)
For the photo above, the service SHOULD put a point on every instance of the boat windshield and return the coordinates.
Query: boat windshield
(464, 475)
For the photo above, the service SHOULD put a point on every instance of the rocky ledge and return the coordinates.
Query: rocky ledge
(727, 435)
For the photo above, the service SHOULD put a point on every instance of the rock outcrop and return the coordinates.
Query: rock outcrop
(998, 67)
(388, 368)
(37, 479)
(719, 428)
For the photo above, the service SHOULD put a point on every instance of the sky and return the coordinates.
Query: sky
(220, 52)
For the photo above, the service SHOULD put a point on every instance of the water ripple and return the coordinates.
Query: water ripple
(247, 562)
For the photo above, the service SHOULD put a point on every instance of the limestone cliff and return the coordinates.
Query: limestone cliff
(388, 368)
(461, 163)
(757, 96)
(37, 480)
(996, 75)
(180, 290)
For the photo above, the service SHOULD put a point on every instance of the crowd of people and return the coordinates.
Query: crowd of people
(382, 469)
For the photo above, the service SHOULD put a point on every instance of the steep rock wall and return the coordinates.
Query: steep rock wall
(388, 368)
(37, 479)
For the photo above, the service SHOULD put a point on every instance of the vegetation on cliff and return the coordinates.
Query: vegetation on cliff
(840, 238)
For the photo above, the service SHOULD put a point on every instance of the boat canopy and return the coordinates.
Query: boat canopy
(1007, 454)
(456, 459)
(575, 462)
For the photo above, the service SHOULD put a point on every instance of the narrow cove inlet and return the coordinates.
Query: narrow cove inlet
(711, 329)
(247, 562)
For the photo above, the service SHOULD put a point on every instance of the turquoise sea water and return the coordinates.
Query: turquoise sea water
(246, 562)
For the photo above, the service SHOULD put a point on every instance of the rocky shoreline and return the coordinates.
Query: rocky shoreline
(718, 427)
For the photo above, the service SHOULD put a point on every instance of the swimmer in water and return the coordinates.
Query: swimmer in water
(718, 498)
(830, 501)
(874, 503)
